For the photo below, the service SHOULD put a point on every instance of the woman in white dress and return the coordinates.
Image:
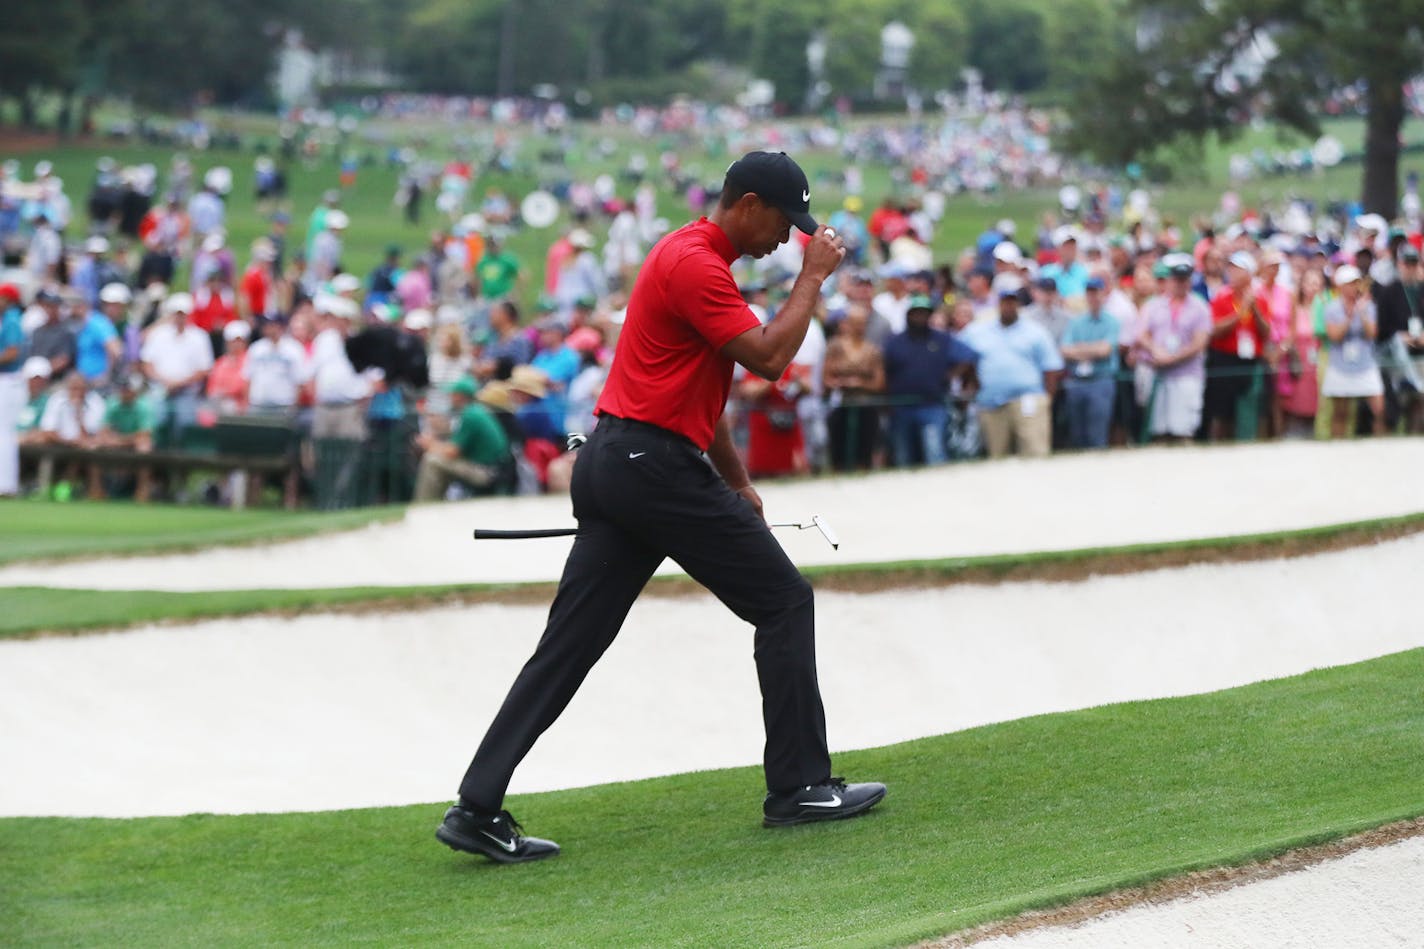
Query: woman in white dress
(1351, 372)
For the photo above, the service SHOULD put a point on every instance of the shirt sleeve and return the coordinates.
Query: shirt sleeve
(93, 414)
(704, 293)
(959, 353)
(1049, 358)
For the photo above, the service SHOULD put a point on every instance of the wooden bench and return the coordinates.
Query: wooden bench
(247, 447)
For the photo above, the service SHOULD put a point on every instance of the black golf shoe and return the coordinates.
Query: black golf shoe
(832, 800)
(498, 837)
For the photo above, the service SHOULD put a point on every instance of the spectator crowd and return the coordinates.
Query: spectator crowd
(424, 378)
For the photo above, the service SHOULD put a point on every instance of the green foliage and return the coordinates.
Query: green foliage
(978, 825)
(1196, 71)
(169, 54)
(1006, 43)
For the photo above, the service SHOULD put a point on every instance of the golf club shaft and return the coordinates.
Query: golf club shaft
(483, 534)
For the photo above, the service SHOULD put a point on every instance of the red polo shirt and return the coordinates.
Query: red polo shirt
(668, 369)
(1223, 308)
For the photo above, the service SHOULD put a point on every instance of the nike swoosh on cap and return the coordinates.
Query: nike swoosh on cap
(806, 196)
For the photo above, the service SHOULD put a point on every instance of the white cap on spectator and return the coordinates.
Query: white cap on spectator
(1006, 226)
(1372, 222)
(237, 329)
(219, 178)
(214, 242)
(1065, 234)
(580, 238)
(1244, 260)
(1007, 285)
(1349, 273)
(179, 302)
(1008, 252)
(333, 305)
(264, 249)
(96, 245)
(115, 293)
(345, 283)
(37, 367)
(43, 168)
(337, 220)
(418, 319)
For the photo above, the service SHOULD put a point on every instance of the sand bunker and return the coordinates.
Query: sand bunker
(321, 712)
(962, 510)
(1364, 900)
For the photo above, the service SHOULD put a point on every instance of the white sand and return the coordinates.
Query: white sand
(1369, 899)
(962, 510)
(323, 712)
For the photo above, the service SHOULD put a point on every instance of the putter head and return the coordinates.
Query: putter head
(826, 532)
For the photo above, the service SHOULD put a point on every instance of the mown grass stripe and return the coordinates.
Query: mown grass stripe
(33, 610)
(979, 825)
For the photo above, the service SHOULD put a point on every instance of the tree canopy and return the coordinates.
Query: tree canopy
(1199, 69)
(166, 53)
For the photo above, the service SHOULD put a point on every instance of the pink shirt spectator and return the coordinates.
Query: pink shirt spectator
(414, 290)
(226, 384)
(1282, 309)
(1173, 324)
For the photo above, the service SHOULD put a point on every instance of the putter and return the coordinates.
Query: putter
(482, 533)
(820, 525)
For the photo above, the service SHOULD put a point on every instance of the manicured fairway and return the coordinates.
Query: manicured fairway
(31, 610)
(31, 530)
(978, 825)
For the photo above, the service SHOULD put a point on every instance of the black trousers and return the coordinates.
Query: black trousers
(641, 494)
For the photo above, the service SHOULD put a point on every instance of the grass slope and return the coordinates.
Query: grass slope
(979, 825)
(34, 610)
(43, 531)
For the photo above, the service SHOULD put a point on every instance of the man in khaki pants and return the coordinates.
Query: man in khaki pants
(1019, 369)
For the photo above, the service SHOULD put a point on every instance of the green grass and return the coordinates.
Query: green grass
(32, 610)
(978, 825)
(38, 530)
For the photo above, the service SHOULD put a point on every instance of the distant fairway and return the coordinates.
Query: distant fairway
(376, 222)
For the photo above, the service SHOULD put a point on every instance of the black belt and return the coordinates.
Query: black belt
(617, 421)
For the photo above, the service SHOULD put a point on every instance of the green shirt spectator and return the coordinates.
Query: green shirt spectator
(480, 437)
(129, 417)
(498, 269)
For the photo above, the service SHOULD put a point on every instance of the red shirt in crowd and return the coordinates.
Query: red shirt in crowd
(256, 284)
(668, 369)
(1246, 341)
(213, 310)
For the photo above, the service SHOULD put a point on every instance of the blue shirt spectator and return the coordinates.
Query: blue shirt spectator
(917, 364)
(92, 356)
(12, 333)
(1012, 359)
(1072, 278)
(1093, 327)
(561, 365)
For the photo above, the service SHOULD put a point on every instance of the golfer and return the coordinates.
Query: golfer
(660, 477)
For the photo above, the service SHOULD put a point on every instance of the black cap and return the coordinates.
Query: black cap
(777, 180)
(1408, 252)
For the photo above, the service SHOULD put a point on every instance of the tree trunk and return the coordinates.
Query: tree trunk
(28, 116)
(66, 115)
(1386, 115)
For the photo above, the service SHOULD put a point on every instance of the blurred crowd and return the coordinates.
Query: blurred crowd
(422, 377)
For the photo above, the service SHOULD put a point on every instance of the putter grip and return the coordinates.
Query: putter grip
(483, 534)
